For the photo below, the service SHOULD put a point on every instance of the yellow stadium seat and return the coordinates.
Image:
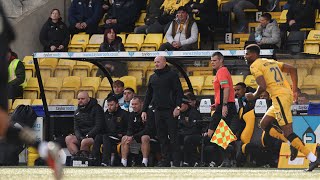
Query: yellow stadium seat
(90, 84)
(58, 102)
(311, 44)
(70, 87)
(164, 39)
(104, 88)
(311, 84)
(199, 71)
(100, 102)
(303, 71)
(31, 91)
(73, 102)
(38, 102)
(94, 71)
(140, 21)
(134, 42)
(52, 87)
(283, 17)
(64, 68)
(47, 67)
(236, 79)
(138, 73)
(152, 42)
(129, 81)
(251, 81)
(82, 69)
(78, 43)
(196, 82)
(29, 66)
(242, 38)
(207, 88)
(95, 42)
(252, 26)
(18, 102)
(9, 105)
(275, 15)
(123, 37)
(231, 46)
(315, 70)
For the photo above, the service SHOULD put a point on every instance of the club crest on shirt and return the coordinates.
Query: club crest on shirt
(118, 119)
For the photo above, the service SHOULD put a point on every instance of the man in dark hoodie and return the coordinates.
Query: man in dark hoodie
(88, 121)
(165, 91)
(84, 16)
(54, 35)
(116, 121)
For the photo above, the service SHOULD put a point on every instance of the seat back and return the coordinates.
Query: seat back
(71, 82)
(79, 39)
(129, 81)
(57, 102)
(91, 82)
(96, 39)
(123, 37)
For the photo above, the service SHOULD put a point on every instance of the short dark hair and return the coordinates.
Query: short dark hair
(129, 89)
(267, 16)
(243, 85)
(112, 98)
(219, 54)
(304, 95)
(254, 48)
(137, 98)
(118, 83)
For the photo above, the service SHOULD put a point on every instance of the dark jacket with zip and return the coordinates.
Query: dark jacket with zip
(138, 128)
(116, 123)
(188, 122)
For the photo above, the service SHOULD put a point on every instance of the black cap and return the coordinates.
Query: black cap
(182, 8)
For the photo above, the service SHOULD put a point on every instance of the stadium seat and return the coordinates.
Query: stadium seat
(275, 15)
(94, 43)
(47, 67)
(140, 21)
(94, 71)
(9, 105)
(134, 42)
(231, 46)
(78, 43)
(18, 102)
(82, 69)
(283, 17)
(29, 66)
(199, 71)
(303, 71)
(70, 87)
(104, 89)
(252, 26)
(315, 70)
(138, 73)
(311, 84)
(100, 102)
(251, 81)
(236, 79)
(64, 68)
(38, 102)
(207, 88)
(31, 91)
(129, 81)
(311, 44)
(73, 102)
(123, 37)
(58, 102)
(52, 87)
(197, 83)
(90, 84)
(152, 42)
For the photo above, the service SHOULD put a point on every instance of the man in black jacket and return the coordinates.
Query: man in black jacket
(88, 120)
(116, 121)
(139, 131)
(165, 91)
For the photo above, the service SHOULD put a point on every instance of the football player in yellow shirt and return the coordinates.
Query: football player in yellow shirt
(269, 77)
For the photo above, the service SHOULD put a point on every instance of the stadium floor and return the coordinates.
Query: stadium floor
(24, 173)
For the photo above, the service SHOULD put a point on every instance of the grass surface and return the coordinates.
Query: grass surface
(23, 173)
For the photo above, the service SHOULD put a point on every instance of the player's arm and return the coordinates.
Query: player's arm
(287, 68)
(262, 86)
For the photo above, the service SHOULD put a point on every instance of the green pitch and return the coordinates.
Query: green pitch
(23, 173)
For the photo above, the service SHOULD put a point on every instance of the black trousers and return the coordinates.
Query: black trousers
(167, 127)
(109, 146)
(15, 92)
(167, 46)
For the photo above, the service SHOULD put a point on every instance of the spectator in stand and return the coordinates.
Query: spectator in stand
(124, 15)
(139, 131)
(88, 122)
(116, 121)
(182, 33)
(303, 99)
(54, 34)
(118, 87)
(151, 19)
(16, 76)
(84, 16)
(205, 14)
(112, 42)
(238, 7)
(267, 34)
(128, 94)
